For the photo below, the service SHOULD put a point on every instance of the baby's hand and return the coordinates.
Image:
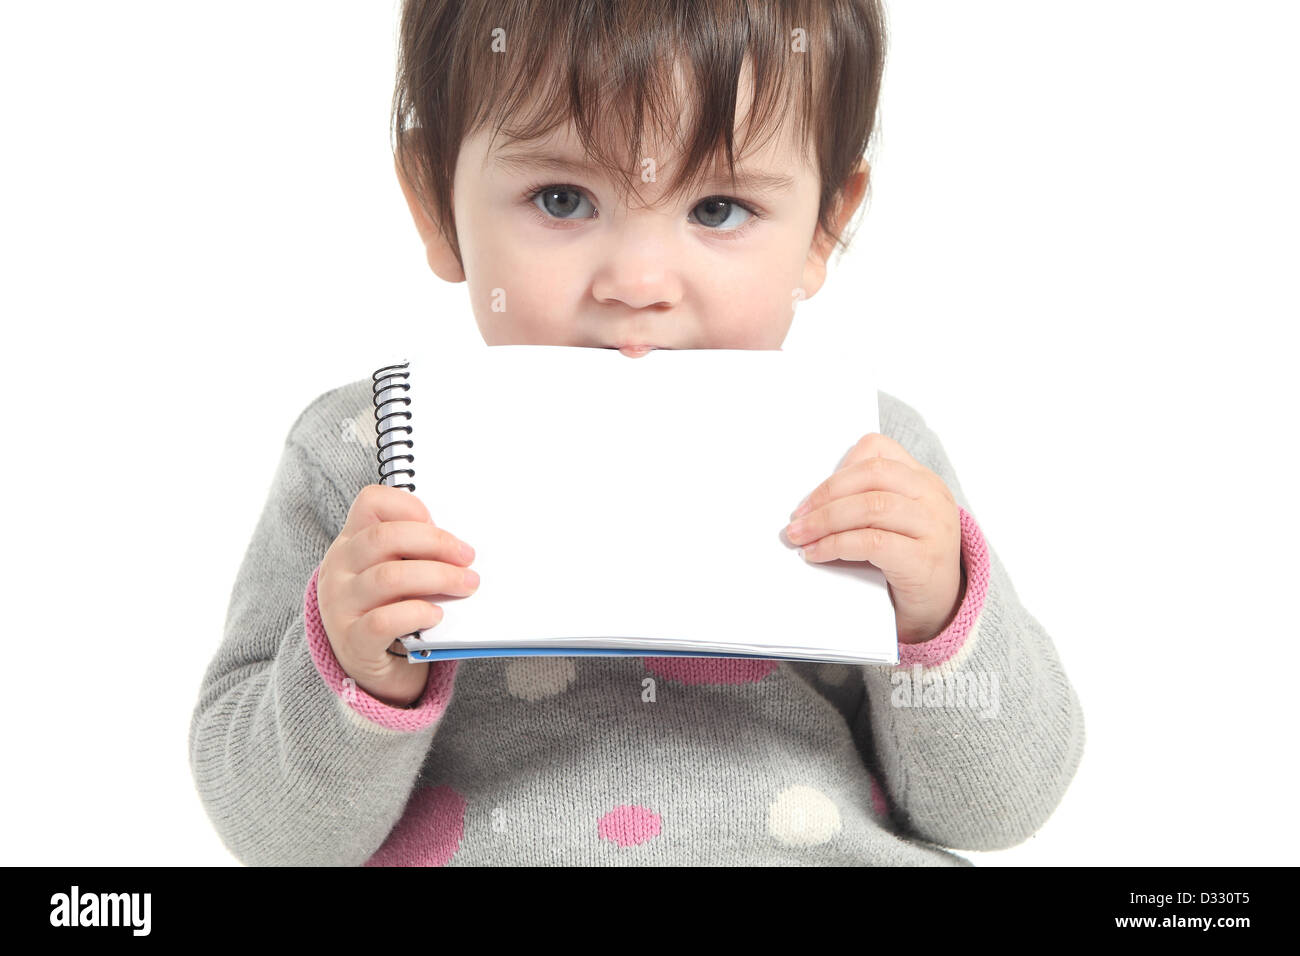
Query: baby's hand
(885, 507)
(369, 596)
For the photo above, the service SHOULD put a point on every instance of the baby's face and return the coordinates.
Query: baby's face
(554, 254)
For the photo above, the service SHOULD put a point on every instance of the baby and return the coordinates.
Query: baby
(652, 177)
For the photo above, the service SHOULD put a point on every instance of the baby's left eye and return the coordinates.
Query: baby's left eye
(717, 210)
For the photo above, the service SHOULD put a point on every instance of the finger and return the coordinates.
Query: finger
(382, 626)
(886, 550)
(868, 474)
(394, 581)
(391, 540)
(884, 510)
(376, 503)
(874, 445)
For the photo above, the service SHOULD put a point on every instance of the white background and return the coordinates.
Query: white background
(1078, 264)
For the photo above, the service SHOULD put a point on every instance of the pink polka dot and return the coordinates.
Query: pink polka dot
(429, 832)
(712, 670)
(628, 825)
(878, 801)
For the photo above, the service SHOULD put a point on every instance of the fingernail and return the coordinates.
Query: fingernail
(471, 579)
(804, 507)
(466, 552)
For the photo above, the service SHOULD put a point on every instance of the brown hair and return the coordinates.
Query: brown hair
(583, 59)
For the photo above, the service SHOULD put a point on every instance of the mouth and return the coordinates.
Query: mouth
(636, 350)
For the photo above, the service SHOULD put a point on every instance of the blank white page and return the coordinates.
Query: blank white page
(641, 501)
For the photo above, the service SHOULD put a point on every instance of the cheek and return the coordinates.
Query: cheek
(753, 310)
(537, 322)
(534, 311)
(526, 287)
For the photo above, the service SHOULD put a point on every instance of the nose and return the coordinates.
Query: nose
(638, 270)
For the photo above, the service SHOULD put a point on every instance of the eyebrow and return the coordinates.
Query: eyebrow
(756, 179)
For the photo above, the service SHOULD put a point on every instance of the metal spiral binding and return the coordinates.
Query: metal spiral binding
(389, 409)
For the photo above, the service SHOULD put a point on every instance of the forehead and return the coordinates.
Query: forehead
(767, 170)
(769, 160)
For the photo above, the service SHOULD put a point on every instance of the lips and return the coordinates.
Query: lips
(636, 351)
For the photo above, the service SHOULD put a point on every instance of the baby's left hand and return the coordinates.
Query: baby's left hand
(885, 507)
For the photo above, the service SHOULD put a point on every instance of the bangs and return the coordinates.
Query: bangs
(646, 80)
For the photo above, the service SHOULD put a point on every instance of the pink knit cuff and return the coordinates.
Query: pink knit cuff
(941, 647)
(431, 705)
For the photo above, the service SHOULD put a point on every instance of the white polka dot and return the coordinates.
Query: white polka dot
(535, 678)
(802, 816)
(366, 427)
(836, 674)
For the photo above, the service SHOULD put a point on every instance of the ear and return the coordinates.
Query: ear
(814, 270)
(437, 250)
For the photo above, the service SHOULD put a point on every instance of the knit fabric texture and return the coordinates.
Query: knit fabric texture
(969, 742)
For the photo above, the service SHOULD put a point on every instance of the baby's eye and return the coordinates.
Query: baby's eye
(716, 213)
(717, 210)
(561, 201)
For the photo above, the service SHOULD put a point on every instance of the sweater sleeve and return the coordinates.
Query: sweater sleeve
(977, 732)
(295, 764)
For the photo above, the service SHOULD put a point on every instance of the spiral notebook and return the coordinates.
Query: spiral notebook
(633, 506)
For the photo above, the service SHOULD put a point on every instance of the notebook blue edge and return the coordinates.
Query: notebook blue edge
(452, 653)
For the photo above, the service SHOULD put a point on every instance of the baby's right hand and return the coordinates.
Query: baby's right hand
(369, 596)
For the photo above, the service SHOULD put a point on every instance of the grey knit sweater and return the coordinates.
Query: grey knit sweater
(968, 743)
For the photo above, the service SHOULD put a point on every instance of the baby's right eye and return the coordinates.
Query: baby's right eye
(561, 202)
